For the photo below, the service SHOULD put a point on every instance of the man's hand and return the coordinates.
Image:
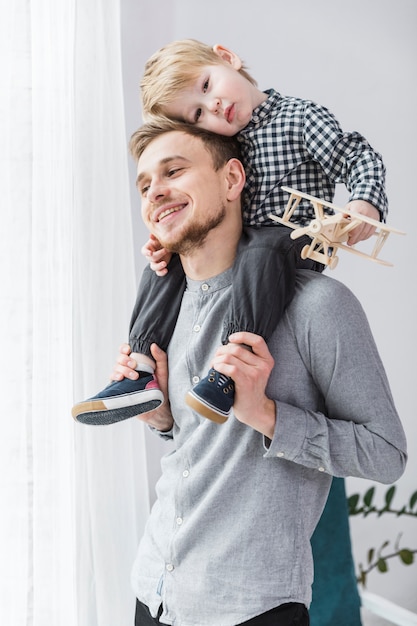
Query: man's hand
(161, 418)
(157, 256)
(363, 231)
(250, 370)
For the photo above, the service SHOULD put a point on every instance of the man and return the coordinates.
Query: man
(228, 540)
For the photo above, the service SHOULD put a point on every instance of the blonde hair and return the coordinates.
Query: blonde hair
(173, 68)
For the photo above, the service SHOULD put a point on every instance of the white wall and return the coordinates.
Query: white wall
(359, 59)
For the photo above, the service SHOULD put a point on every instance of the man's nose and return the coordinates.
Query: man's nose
(157, 190)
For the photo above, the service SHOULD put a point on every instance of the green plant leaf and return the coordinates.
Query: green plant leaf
(384, 545)
(367, 498)
(382, 565)
(389, 496)
(413, 500)
(406, 556)
(371, 553)
(353, 504)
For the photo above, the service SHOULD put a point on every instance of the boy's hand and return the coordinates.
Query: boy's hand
(363, 231)
(161, 418)
(125, 366)
(157, 256)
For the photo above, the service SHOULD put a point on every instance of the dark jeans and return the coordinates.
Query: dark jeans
(263, 285)
(291, 614)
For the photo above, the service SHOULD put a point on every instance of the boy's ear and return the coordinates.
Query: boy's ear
(228, 56)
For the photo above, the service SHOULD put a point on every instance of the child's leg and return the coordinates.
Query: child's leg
(156, 309)
(264, 279)
(263, 285)
(153, 320)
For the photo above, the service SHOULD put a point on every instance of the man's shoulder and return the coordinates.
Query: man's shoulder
(323, 312)
(322, 295)
(309, 279)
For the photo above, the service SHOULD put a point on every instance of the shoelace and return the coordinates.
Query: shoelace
(221, 381)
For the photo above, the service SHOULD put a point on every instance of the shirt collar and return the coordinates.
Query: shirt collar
(263, 112)
(215, 283)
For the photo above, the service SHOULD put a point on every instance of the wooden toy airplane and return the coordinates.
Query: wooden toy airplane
(330, 232)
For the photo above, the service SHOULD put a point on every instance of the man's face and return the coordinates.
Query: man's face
(183, 197)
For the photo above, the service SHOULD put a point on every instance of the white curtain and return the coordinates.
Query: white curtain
(73, 498)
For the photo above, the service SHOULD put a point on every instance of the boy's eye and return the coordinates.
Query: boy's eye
(205, 86)
(197, 115)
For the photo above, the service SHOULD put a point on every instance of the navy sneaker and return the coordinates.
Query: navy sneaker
(213, 396)
(119, 401)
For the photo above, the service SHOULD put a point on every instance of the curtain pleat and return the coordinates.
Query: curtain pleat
(74, 498)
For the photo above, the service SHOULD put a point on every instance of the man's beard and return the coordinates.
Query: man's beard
(194, 235)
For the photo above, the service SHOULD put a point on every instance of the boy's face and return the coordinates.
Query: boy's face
(221, 100)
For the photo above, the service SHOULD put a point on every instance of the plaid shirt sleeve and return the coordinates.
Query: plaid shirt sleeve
(345, 157)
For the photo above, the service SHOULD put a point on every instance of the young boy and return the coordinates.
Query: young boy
(285, 141)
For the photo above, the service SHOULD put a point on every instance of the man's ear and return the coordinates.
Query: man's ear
(228, 56)
(235, 178)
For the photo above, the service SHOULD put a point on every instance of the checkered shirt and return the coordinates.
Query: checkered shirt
(298, 143)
